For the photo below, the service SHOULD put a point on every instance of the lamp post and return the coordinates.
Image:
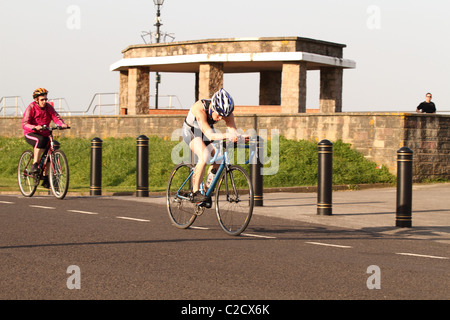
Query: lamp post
(158, 24)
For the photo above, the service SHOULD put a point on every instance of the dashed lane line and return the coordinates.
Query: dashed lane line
(257, 236)
(84, 212)
(6, 202)
(42, 207)
(199, 228)
(133, 219)
(329, 245)
(421, 255)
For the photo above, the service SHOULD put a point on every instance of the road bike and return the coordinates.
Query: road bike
(233, 192)
(54, 160)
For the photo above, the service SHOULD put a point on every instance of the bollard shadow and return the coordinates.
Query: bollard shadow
(359, 202)
(290, 205)
(441, 233)
(362, 213)
(389, 212)
(313, 232)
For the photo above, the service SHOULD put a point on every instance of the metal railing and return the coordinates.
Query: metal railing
(99, 102)
(4, 103)
(170, 105)
(101, 105)
(60, 104)
(108, 104)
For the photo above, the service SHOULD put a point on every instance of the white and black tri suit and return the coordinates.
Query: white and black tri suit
(191, 128)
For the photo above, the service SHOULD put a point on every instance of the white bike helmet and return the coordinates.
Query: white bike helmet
(222, 103)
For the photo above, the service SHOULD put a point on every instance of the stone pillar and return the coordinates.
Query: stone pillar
(123, 90)
(210, 79)
(270, 88)
(138, 90)
(331, 89)
(293, 87)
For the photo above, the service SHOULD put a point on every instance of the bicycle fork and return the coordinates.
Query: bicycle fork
(233, 185)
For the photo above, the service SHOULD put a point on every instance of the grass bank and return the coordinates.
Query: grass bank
(297, 164)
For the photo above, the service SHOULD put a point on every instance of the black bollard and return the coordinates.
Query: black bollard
(404, 188)
(142, 166)
(256, 175)
(96, 167)
(325, 179)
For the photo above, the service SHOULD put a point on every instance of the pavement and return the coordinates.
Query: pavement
(370, 210)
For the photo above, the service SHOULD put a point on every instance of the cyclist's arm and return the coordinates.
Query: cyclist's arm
(232, 133)
(200, 116)
(27, 120)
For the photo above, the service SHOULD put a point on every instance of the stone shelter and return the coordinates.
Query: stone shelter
(282, 62)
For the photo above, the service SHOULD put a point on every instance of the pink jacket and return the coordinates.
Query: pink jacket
(35, 116)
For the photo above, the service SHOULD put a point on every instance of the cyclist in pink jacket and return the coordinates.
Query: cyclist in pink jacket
(38, 114)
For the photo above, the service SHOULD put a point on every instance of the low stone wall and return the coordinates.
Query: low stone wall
(376, 135)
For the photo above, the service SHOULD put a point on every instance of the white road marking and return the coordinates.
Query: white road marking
(199, 228)
(257, 236)
(421, 255)
(6, 202)
(42, 207)
(133, 219)
(330, 245)
(85, 212)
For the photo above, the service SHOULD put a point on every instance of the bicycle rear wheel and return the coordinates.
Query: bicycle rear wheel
(59, 174)
(234, 200)
(181, 211)
(26, 180)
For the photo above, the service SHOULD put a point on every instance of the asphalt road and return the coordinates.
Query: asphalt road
(129, 250)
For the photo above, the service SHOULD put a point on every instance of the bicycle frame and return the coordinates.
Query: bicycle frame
(225, 162)
(49, 151)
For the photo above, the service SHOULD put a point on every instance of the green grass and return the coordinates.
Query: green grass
(297, 164)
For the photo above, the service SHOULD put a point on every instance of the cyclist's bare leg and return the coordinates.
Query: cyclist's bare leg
(204, 154)
(37, 154)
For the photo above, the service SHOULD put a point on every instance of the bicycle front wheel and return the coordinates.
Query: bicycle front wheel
(59, 174)
(234, 200)
(26, 180)
(181, 210)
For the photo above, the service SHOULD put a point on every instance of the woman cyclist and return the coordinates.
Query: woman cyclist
(38, 114)
(198, 133)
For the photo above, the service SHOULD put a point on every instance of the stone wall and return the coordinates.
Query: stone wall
(249, 45)
(429, 138)
(377, 135)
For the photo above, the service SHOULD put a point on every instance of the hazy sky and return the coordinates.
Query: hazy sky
(401, 47)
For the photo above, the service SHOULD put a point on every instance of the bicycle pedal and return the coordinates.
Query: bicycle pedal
(206, 204)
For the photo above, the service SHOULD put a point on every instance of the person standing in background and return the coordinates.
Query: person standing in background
(427, 106)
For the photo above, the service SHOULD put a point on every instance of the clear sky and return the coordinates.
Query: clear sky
(401, 47)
